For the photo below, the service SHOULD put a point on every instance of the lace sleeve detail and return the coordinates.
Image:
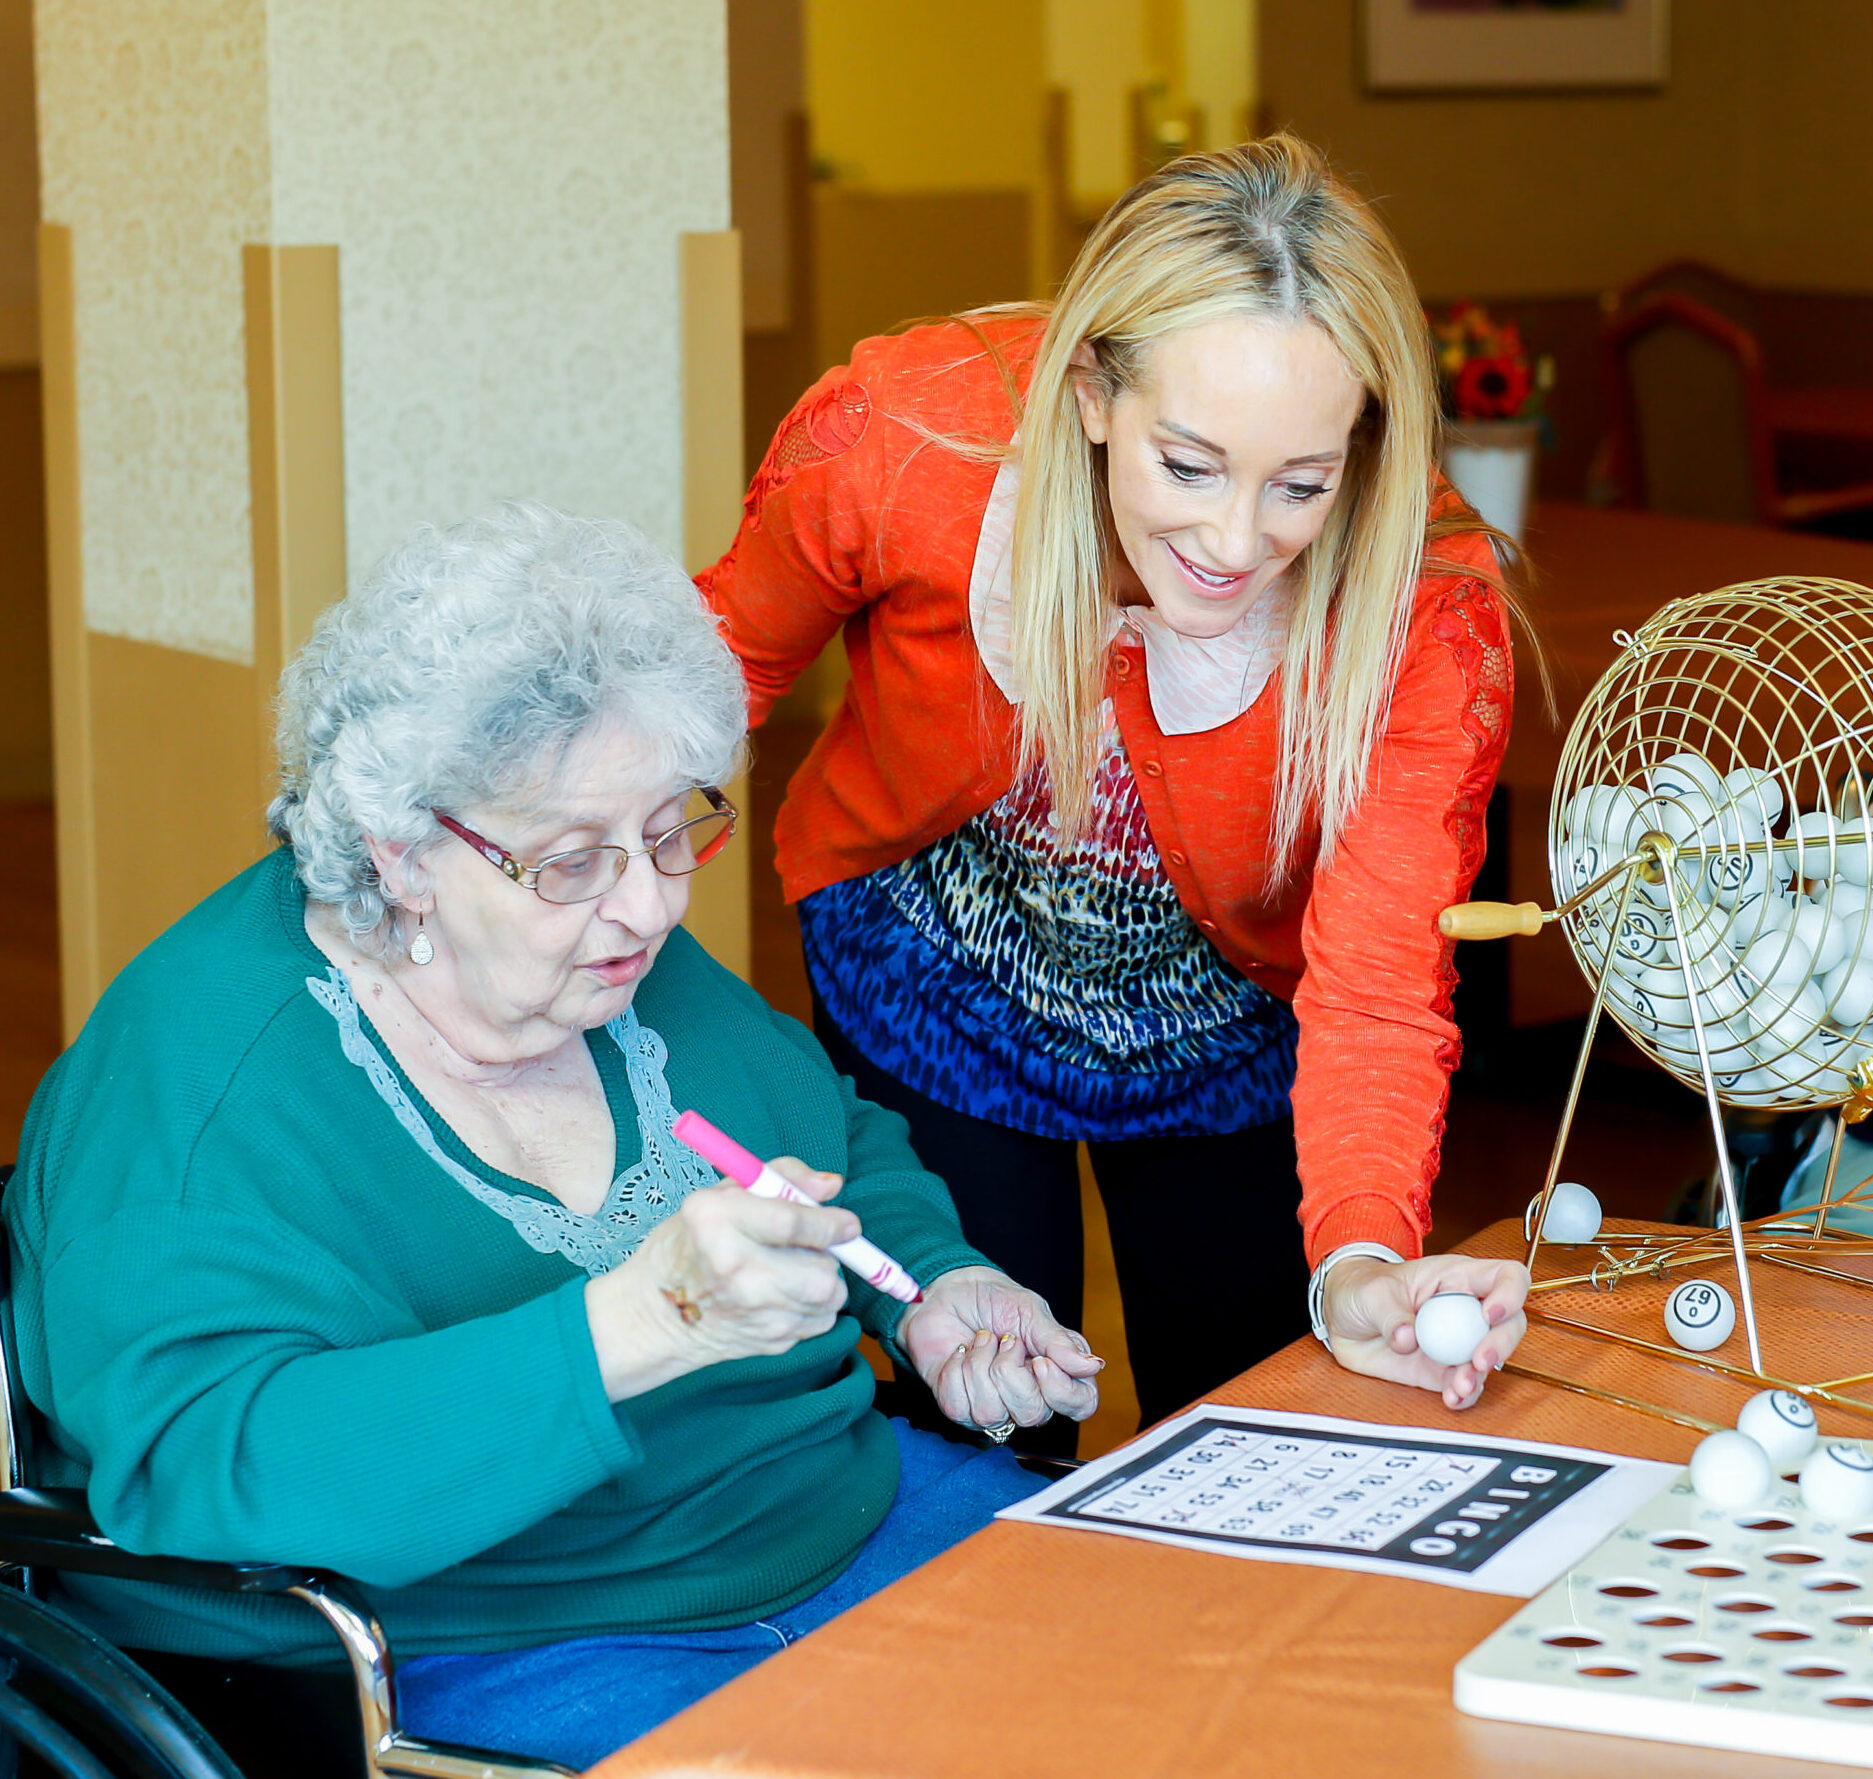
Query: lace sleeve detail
(832, 422)
(1469, 620)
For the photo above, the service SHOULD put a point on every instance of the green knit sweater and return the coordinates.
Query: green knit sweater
(261, 1323)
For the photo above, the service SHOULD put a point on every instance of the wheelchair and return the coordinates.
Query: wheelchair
(74, 1705)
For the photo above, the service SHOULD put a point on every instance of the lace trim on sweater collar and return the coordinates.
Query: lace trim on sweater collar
(640, 1197)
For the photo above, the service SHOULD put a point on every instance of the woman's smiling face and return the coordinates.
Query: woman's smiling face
(1224, 462)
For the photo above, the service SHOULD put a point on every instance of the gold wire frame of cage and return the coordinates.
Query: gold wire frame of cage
(1709, 847)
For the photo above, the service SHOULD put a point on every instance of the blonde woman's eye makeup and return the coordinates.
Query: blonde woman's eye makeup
(1300, 493)
(1185, 472)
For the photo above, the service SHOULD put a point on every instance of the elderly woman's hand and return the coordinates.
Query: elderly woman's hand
(992, 1352)
(725, 1276)
(1370, 1305)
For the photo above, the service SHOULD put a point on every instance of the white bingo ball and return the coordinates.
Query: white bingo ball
(1450, 1327)
(1731, 872)
(1686, 793)
(1756, 914)
(1749, 1087)
(1573, 1214)
(1631, 989)
(1780, 960)
(1644, 936)
(1785, 1020)
(1832, 848)
(1731, 1470)
(1851, 848)
(1848, 991)
(1837, 1481)
(1699, 1315)
(1759, 793)
(1844, 904)
(1825, 937)
(1782, 1424)
(1605, 814)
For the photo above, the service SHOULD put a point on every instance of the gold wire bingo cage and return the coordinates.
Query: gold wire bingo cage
(1713, 872)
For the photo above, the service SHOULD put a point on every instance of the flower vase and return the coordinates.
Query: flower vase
(1491, 463)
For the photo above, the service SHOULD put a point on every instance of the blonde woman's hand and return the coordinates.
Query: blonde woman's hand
(724, 1276)
(991, 1352)
(1370, 1306)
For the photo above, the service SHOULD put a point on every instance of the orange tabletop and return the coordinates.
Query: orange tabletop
(1040, 1651)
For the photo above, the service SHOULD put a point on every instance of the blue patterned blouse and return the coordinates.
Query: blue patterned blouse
(1058, 990)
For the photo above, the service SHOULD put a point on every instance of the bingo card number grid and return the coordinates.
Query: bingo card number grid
(1482, 1513)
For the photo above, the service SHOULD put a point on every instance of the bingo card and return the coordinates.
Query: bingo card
(1496, 1516)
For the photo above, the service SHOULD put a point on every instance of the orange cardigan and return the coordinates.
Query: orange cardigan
(859, 519)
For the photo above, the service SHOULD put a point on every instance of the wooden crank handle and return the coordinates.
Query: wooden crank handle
(1490, 920)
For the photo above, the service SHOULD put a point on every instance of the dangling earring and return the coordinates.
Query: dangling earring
(421, 950)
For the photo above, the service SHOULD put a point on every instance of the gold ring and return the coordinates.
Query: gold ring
(684, 1305)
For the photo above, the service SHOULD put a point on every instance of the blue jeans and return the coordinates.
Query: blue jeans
(576, 1702)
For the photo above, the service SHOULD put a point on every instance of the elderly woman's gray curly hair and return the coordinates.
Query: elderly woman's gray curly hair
(462, 670)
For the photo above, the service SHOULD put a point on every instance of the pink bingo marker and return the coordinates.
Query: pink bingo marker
(723, 1153)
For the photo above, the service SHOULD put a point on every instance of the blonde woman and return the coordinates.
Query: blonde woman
(1179, 683)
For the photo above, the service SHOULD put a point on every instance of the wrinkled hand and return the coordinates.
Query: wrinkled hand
(991, 1352)
(1369, 1306)
(724, 1276)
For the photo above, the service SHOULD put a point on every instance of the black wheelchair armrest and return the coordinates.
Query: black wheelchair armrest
(1043, 1465)
(53, 1529)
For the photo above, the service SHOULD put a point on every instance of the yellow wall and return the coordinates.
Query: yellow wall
(1754, 154)
(1219, 66)
(1096, 55)
(1099, 52)
(906, 96)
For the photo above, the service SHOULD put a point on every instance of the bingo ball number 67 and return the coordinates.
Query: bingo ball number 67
(1699, 1315)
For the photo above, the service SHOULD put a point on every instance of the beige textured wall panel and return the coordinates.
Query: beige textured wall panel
(505, 185)
(153, 149)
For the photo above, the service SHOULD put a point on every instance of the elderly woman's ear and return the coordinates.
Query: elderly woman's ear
(405, 884)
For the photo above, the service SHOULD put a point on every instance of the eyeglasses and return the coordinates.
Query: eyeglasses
(584, 875)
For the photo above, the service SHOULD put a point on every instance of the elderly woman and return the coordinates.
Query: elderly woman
(352, 1231)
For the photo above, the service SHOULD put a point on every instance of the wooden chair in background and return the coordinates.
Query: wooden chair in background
(1734, 298)
(1693, 431)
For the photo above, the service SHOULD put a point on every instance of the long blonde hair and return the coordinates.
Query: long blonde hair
(1264, 229)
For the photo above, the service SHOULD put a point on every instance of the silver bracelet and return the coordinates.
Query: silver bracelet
(1316, 1286)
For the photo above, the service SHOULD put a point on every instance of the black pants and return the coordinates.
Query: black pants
(1211, 1269)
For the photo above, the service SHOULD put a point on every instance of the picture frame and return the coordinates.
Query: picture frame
(1481, 46)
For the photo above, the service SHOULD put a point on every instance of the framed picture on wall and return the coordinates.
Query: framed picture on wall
(1514, 45)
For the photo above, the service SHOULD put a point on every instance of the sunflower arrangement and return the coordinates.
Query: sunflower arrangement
(1485, 370)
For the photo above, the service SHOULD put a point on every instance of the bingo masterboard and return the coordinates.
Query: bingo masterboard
(1749, 1630)
(1494, 1515)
